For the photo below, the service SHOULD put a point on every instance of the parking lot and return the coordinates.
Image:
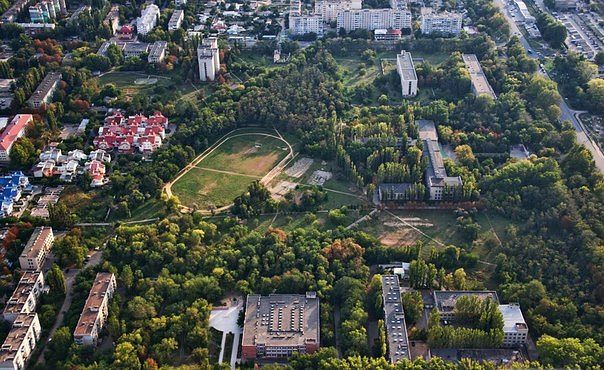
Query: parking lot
(585, 35)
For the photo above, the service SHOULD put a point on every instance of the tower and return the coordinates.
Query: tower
(208, 58)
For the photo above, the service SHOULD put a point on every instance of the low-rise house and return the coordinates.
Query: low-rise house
(20, 342)
(14, 130)
(99, 155)
(6, 93)
(45, 90)
(25, 297)
(11, 188)
(138, 132)
(96, 169)
(96, 310)
(37, 248)
(53, 163)
(387, 35)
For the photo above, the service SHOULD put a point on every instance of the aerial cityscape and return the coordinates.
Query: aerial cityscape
(302, 184)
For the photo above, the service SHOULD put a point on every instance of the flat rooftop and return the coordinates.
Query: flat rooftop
(445, 300)
(90, 313)
(16, 336)
(405, 67)
(479, 80)
(513, 321)
(394, 318)
(427, 130)
(281, 320)
(36, 242)
(22, 291)
(46, 86)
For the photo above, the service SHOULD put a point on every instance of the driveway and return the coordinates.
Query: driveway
(225, 319)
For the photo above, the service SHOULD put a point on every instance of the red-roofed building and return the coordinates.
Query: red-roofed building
(14, 130)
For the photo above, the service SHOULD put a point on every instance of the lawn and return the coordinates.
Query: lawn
(126, 82)
(225, 173)
(90, 206)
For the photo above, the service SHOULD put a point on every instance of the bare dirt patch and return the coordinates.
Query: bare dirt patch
(399, 237)
(299, 168)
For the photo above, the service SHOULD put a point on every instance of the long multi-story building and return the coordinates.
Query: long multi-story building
(480, 84)
(406, 70)
(96, 310)
(515, 330)
(444, 301)
(36, 249)
(279, 325)
(20, 342)
(148, 19)
(524, 14)
(208, 57)
(444, 23)
(45, 90)
(14, 130)
(394, 320)
(301, 24)
(157, 52)
(329, 9)
(25, 297)
(372, 19)
(176, 20)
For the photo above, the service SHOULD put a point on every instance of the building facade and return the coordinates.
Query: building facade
(329, 9)
(25, 297)
(176, 20)
(14, 130)
(20, 342)
(157, 52)
(444, 23)
(279, 325)
(406, 71)
(148, 19)
(208, 57)
(515, 330)
(96, 310)
(373, 19)
(444, 301)
(45, 90)
(302, 24)
(36, 249)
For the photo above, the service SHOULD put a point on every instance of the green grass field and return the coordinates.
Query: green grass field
(225, 173)
(126, 82)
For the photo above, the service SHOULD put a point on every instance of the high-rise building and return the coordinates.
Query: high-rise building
(406, 70)
(444, 23)
(208, 57)
(302, 24)
(96, 310)
(372, 19)
(329, 9)
(148, 19)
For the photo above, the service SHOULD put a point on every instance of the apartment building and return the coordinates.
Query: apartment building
(372, 19)
(96, 310)
(45, 90)
(148, 19)
(480, 84)
(20, 342)
(329, 9)
(394, 319)
(444, 23)
(157, 52)
(36, 249)
(515, 329)
(523, 12)
(406, 71)
(46, 11)
(14, 130)
(208, 57)
(25, 297)
(301, 24)
(176, 20)
(278, 325)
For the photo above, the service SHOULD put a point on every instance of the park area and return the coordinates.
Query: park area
(132, 83)
(225, 170)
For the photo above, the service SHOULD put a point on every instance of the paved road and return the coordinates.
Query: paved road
(568, 114)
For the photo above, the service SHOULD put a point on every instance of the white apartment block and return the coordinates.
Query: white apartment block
(36, 249)
(208, 56)
(25, 296)
(515, 330)
(180, 2)
(303, 24)
(444, 23)
(20, 342)
(406, 70)
(96, 310)
(176, 20)
(148, 19)
(480, 84)
(372, 19)
(329, 9)
(157, 52)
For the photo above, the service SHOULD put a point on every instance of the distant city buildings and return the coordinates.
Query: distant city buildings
(176, 20)
(96, 310)
(480, 84)
(301, 24)
(13, 131)
(46, 11)
(130, 134)
(406, 71)
(329, 9)
(394, 320)
(208, 57)
(45, 90)
(279, 325)
(444, 23)
(372, 19)
(37, 248)
(148, 19)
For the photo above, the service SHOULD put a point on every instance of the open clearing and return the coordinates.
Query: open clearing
(226, 171)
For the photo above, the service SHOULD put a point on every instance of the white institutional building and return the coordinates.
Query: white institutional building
(148, 19)
(406, 70)
(208, 58)
(444, 23)
(372, 19)
(302, 24)
(329, 9)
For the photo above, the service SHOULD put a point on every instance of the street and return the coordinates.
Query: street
(568, 114)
